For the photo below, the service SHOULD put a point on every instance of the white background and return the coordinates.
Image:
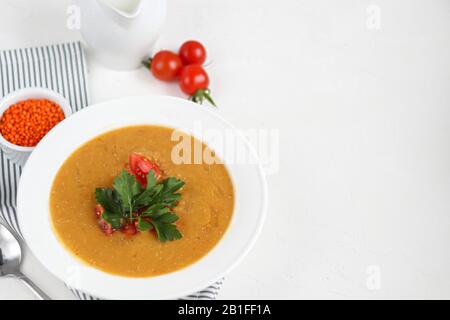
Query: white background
(363, 116)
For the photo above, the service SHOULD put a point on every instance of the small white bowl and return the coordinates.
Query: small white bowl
(20, 154)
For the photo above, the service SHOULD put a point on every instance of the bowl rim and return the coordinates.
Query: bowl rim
(28, 93)
(226, 255)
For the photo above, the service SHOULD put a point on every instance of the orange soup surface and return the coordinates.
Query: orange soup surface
(205, 209)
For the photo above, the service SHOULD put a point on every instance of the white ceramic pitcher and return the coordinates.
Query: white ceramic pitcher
(120, 33)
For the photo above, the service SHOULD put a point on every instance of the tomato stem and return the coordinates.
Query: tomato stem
(147, 63)
(201, 95)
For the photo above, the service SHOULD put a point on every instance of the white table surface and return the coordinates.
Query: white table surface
(360, 205)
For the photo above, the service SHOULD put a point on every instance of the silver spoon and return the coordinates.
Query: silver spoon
(10, 257)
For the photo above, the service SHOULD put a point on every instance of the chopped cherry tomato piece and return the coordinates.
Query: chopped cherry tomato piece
(129, 229)
(99, 210)
(105, 226)
(140, 166)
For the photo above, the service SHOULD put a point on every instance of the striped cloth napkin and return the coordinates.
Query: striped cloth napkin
(61, 68)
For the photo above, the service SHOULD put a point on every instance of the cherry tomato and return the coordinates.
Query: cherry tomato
(192, 78)
(194, 81)
(140, 166)
(192, 52)
(165, 65)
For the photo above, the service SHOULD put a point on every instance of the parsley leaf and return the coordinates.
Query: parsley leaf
(146, 197)
(151, 180)
(144, 225)
(157, 208)
(127, 187)
(164, 227)
(108, 199)
(172, 185)
(167, 196)
(162, 219)
(114, 219)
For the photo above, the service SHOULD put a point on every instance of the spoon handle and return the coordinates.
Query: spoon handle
(38, 292)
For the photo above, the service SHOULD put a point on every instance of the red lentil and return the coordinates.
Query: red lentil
(27, 122)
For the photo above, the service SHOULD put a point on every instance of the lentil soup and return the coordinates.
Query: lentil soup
(204, 210)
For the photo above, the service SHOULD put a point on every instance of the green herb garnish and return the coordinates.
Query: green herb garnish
(149, 208)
